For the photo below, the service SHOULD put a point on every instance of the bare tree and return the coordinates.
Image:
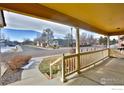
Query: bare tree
(87, 39)
(46, 37)
(83, 39)
(49, 36)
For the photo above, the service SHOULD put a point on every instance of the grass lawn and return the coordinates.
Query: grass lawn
(45, 65)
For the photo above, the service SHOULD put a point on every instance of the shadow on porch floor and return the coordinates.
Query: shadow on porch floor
(110, 72)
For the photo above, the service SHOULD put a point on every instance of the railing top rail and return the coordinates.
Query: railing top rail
(89, 52)
(56, 61)
(72, 55)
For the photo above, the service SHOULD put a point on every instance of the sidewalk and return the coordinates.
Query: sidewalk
(33, 76)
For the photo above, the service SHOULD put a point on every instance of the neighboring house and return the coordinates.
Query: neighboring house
(54, 43)
(45, 39)
(121, 41)
(41, 44)
(65, 43)
(51, 43)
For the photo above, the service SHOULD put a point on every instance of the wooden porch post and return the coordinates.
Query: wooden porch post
(108, 45)
(78, 49)
(63, 79)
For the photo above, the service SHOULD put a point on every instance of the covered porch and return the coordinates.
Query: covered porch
(87, 68)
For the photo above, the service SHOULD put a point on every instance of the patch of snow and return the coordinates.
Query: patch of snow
(31, 62)
(11, 49)
(7, 49)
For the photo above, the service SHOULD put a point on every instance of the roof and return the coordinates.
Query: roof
(2, 19)
(103, 18)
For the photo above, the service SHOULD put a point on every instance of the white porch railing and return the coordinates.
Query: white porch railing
(56, 63)
(76, 62)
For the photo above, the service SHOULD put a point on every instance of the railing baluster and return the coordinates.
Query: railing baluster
(67, 66)
(86, 59)
(74, 63)
(70, 63)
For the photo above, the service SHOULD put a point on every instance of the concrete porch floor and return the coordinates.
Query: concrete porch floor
(110, 72)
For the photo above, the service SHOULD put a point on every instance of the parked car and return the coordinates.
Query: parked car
(11, 44)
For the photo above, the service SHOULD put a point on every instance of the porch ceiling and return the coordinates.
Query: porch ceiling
(102, 18)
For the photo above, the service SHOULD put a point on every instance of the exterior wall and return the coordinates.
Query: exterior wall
(120, 42)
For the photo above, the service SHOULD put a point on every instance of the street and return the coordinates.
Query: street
(33, 51)
(41, 52)
(38, 52)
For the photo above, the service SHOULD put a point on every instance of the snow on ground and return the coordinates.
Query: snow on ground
(16, 48)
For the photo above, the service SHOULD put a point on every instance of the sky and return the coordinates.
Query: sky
(19, 35)
(18, 21)
(20, 27)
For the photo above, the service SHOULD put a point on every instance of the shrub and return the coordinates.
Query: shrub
(18, 61)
